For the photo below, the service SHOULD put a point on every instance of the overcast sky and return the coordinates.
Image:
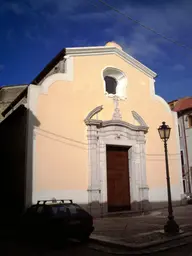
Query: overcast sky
(34, 31)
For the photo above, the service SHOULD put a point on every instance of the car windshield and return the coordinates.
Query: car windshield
(59, 209)
(63, 209)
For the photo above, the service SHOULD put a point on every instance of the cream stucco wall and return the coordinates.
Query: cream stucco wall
(61, 153)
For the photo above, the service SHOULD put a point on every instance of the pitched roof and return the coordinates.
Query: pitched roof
(183, 104)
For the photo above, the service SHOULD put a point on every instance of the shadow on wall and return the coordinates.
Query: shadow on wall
(33, 122)
(13, 156)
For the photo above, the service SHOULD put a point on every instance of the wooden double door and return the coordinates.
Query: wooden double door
(118, 184)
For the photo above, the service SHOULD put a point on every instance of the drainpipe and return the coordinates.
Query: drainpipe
(186, 150)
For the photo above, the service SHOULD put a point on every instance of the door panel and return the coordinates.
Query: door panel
(118, 188)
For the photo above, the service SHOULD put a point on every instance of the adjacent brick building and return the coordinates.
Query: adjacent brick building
(8, 94)
(183, 107)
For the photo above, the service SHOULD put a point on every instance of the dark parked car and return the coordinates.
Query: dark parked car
(56, 220)
(188, 197)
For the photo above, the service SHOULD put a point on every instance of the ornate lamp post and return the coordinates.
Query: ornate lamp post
(171, 226)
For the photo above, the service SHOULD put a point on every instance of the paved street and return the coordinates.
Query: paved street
(130, 229)
(112, 227)
(183, 250)
(11, 248)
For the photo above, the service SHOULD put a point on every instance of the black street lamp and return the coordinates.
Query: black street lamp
(171, 226)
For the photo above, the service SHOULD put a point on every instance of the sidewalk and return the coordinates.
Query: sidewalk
(141, 230)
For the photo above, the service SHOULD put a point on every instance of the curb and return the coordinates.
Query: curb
(141, 252)
(107, 241)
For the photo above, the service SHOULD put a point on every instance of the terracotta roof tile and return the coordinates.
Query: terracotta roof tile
(183, 104)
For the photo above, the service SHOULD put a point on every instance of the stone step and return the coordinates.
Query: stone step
(125, 214)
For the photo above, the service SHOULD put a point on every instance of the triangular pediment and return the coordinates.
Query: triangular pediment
(106, 50)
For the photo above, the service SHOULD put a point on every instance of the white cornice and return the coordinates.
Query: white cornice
(101, 50)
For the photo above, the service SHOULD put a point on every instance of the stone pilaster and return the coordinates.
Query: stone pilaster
(94, 191)
(143, 189)
(135, 176)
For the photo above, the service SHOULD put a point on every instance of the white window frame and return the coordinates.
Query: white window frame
(121, 89)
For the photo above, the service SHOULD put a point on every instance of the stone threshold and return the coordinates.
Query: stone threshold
(157, 211)
(125, 213)
(130, 213)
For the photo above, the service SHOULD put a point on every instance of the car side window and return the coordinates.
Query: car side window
(54, 210)
(73, 209)
(62, 208)
(31, 210)
(40, 209)
(46, 210)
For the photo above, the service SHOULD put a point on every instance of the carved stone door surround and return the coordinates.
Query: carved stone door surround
(115, 132)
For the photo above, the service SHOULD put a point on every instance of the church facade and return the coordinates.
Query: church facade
(92, 134)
